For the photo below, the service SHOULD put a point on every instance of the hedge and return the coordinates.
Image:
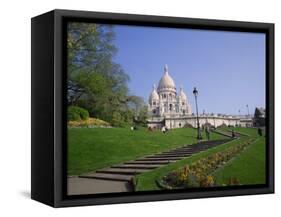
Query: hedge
(75, 113)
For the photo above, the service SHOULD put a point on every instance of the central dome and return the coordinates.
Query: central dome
(166, 82)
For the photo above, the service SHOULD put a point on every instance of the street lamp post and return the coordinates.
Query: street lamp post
(195, 93)
(248, 110)
(239, 118)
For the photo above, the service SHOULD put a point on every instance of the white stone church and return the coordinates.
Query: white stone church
(167, 107)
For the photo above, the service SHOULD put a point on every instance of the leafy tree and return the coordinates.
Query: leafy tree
(142, 116)
(95, 81)
(90, 67)
(117, 120)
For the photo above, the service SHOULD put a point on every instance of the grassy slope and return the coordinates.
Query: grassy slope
(94, 148)
(247, 131)
(247, 167)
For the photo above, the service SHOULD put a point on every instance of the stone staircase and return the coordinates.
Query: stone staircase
(126, 171)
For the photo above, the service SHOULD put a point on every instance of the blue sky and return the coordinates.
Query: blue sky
(228, 68)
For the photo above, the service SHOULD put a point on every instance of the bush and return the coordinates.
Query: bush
(187, 125)
(117, 120)
(75, 113)
(72, 116)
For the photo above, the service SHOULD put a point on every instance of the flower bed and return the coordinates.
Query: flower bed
(90, 122)
(199, 173)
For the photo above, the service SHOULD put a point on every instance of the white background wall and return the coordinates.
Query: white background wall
(15, 106)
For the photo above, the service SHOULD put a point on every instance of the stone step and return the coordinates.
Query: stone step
(137, 166)
(178, 151)
(153, 159)
(127, 171)
(198, 149)
(191, 148)
(149, 161)
(194, 148)
(173, 155)
(164, 158)
(106, 176)
(224, 133)
(182, 148)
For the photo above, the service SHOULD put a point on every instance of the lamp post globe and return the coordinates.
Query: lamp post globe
(195, 93)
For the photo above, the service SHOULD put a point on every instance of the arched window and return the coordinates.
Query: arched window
(170, 107)
(165, 107)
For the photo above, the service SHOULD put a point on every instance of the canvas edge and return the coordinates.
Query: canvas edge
(59, 200)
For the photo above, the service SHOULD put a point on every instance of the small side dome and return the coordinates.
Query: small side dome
(182, 94)
(154, 95)
(166, 82)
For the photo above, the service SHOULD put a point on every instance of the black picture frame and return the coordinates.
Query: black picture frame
(48, 147)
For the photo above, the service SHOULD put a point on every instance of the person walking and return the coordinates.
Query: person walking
(233, 134)
(207, 131)
(260, 131)
(163, 129)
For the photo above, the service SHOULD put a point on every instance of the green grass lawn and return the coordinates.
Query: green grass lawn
(247, 131)
(248, 167)
(94, 148)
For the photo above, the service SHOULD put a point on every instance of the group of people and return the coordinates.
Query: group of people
(207, 131)
(164, 130)
(134, 128)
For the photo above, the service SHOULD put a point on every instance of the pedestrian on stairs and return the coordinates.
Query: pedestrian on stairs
(207, 131)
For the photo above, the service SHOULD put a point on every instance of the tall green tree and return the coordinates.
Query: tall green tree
(95, 81)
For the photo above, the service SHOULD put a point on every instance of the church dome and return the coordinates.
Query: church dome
(154, 95)
(166, 82)
(182, 94)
